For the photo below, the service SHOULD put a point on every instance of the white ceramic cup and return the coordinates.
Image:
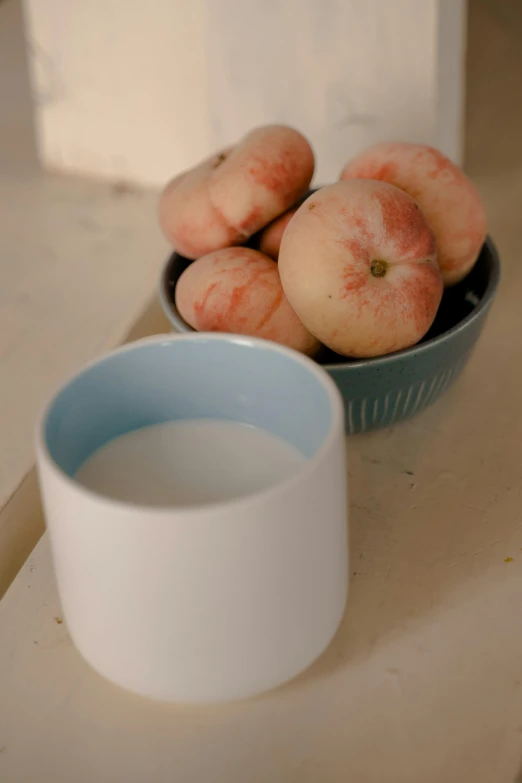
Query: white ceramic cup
(203, 603)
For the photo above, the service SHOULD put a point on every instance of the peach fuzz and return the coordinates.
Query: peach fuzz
(232, 195)
(187, 217)
(271, 236)
(358, 265)
(238, 290)
(448, 198)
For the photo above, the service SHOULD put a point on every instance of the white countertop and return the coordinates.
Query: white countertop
(80, 261)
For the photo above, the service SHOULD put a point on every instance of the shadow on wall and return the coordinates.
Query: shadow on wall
(494, 71)
(17, 134)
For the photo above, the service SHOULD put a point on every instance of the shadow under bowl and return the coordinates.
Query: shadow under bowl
(384, 390)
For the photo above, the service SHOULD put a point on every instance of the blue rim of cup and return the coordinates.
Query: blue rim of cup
(157, 511)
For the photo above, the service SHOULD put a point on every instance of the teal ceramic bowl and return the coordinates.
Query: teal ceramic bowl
(382, 391)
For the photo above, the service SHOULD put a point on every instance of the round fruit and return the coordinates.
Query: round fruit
(450, 201)
(271, 236)
(238, 290)
(229, 197)
(358, 265)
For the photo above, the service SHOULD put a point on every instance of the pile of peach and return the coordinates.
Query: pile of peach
(359, 266)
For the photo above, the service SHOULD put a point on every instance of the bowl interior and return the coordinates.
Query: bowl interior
(458, 302)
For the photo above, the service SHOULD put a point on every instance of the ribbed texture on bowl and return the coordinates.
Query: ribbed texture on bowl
(382, 410)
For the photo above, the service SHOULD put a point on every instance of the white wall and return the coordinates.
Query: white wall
(120, 85)
(138, 91)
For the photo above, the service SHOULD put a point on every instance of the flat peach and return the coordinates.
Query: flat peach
(238, 290)
(234, 194)
(187, 216)
(448, 198)
(358, 265)
(262, 177)
(271, 236)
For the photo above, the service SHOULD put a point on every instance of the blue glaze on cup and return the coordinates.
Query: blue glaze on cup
(200, 376)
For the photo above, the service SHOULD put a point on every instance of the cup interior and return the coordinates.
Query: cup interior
(191, 377)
